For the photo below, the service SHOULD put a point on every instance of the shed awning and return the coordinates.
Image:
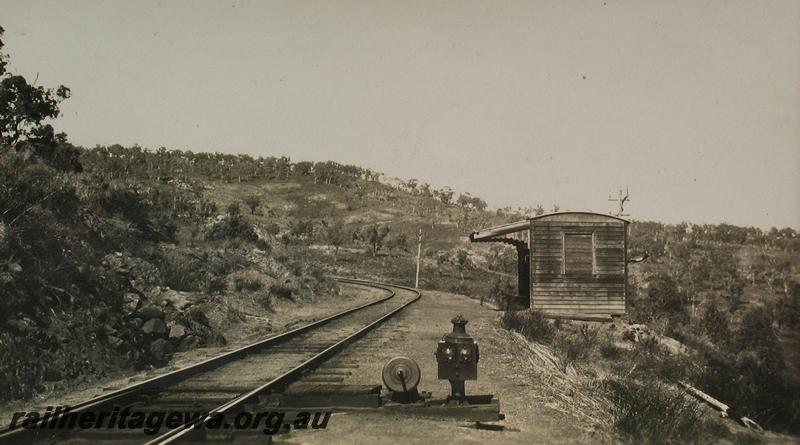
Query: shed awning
(505, 229)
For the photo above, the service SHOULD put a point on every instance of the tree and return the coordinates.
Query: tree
(300, 228)
(304, 168)
(463, 262)
(375, 235)
(470, 202)
(665, 297)
(335, 235)
(442, 260)
(399, 242)
(24, 107)
(444, 195)
(252, 201)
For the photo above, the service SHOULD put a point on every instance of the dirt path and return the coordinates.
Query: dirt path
(415, 334)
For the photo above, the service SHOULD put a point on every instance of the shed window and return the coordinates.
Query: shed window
(578, 258)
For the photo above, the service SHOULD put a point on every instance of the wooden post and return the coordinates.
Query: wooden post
(419, 254)
(621, 201)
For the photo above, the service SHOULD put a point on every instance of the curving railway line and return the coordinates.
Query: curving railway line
(222, 385)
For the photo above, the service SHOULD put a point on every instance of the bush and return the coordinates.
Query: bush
(282, 290)
(233, 227)
(264, 299)
(501, 287)
(750, 374)
(574, 347)
(655, 413)
(715, 324)
(608, 349)
(181, 270)
(247, 281)
(215, 285)
(530, 324)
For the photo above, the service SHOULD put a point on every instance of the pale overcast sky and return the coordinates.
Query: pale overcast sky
(695, 106)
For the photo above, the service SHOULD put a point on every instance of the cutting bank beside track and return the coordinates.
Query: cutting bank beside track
(222, 385)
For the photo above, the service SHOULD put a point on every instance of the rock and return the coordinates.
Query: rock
(154, 326)
(635, 332)
(178, 300)
(151, 311)
(177, 332)
(130, 302)
(197, 315)
(138, 322)
(161, 349)
(115, 342)
(189, 342)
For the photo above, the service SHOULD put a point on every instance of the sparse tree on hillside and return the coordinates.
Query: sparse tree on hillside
(445, 195)
(398, 242)
(233, 209)
(411, 186)
(23, 110)
(442, 260)
(303, 168)
(335, 235)
(425, 190)
(665, 297)
(463, 262)
(301, 228)
(470, 202)
(375, 236)
(252, 201)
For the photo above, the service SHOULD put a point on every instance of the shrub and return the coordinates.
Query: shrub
(715, 324)
(655, 413)
(750, 374)
(252, 202)
(531, 324)
(608, 349)
(575, 346)
(215, 285)
(264, 299)
(282, 290)
(181, 270)
(247, 281)
(500, 288)
(233, 227)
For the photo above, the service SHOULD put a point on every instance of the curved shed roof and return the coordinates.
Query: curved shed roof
(546, 215)
(489, 233)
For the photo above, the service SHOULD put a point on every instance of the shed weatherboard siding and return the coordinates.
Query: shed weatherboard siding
(578, 263)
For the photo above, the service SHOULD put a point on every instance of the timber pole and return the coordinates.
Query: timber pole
(419, 254)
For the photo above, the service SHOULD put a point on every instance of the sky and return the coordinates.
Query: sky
(694, 106)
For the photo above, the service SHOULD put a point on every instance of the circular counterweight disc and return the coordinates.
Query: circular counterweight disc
(401, 375)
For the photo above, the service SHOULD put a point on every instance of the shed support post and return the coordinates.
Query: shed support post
(524, 273)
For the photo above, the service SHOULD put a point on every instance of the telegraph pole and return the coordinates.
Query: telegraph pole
(621, 200)
(419, 254)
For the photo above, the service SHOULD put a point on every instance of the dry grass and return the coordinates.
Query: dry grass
(561, 387)
(614, 407)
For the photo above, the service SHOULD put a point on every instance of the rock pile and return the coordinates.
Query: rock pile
(158, 323)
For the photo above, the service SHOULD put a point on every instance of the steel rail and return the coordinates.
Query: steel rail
(183, 432)
(172, 377)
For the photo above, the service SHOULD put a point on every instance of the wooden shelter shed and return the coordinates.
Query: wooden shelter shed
(570, 263)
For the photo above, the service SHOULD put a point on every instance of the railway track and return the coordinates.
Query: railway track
(222, 385)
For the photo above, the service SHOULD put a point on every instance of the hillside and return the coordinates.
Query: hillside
(139, 242)
(117, 260)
